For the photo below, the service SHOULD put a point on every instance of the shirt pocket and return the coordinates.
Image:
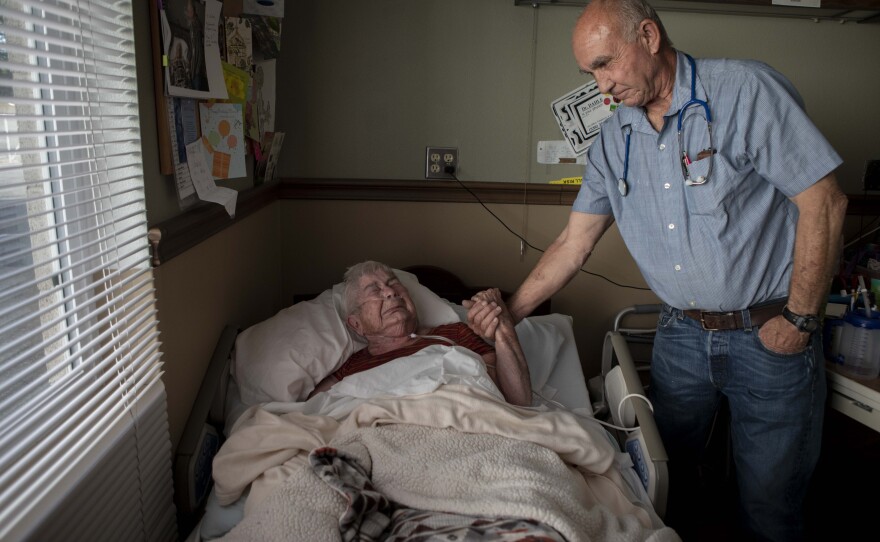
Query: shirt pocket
(712, 197)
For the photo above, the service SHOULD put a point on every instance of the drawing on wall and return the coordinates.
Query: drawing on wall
(239, 43)
(223, 132)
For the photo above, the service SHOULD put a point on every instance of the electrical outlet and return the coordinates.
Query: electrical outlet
(437, 159)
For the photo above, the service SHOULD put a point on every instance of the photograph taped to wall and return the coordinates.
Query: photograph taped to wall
(266, 36)
(580, 113)
(191, 49)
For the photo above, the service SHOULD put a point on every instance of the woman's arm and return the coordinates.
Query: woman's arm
(511, 373)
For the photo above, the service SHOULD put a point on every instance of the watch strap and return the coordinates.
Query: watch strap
(803, 322)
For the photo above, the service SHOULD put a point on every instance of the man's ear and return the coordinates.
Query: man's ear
(649, 34)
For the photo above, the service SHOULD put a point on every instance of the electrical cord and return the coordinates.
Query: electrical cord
(593, 418)
(627, 396)
(451, 171)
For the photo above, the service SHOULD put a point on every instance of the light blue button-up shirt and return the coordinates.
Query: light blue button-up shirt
(727, 244)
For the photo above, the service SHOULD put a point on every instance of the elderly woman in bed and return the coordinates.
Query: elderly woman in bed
(379, 308)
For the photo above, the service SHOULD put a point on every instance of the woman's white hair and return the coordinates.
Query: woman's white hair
(351, 282)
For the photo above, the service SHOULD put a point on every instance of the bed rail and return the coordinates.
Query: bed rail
(656, 452)
(202, 435)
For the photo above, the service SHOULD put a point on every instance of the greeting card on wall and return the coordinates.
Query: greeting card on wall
(267, 154)
(264, 95)
(238, 84)
(223, 130)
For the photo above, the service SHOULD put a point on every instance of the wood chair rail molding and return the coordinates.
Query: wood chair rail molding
(180, 233)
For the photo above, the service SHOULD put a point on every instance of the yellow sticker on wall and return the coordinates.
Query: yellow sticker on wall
(568, 180)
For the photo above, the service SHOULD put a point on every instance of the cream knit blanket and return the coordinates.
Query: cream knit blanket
(457, 449)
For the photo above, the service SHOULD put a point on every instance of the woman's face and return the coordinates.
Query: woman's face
(385, 308)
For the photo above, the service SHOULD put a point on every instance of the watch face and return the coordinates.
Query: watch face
(809, 325)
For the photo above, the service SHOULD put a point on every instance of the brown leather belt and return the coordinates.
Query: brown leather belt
(721, 321)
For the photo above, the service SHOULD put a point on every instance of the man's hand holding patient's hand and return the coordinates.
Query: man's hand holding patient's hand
(487, 313)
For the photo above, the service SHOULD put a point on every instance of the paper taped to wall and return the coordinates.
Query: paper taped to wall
(203, 181)
(580, 114)
(558, 152)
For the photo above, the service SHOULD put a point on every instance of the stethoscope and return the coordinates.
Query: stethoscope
(622, 185)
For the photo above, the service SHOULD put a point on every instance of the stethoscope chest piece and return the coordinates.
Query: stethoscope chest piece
(622, 187)
(695, 182)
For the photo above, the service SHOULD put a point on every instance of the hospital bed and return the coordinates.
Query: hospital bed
(252, 398)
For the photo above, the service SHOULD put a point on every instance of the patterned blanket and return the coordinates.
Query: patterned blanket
(370, 516)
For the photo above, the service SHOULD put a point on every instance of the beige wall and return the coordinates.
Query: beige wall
(365, 86)
(373, 83)
(232, 278)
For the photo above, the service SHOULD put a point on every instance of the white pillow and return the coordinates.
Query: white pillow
(284, 357)
(541, 341)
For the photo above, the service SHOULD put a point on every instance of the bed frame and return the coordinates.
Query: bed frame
(203, 433)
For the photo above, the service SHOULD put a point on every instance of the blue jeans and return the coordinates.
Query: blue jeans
(776, 409)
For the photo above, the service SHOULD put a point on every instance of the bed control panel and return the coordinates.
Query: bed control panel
(635, 446)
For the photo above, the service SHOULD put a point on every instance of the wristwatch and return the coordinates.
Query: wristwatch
(804, 322)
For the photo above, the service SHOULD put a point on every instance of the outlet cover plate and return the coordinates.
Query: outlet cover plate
(436, 160)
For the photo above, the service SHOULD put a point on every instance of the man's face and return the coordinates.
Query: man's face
(384, 307)
(626, 70)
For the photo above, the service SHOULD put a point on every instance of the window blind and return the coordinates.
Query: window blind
(79, 353)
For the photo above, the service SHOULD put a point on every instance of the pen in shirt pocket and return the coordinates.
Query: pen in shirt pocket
(705, 153)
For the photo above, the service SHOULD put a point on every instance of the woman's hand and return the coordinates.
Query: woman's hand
(487, 312)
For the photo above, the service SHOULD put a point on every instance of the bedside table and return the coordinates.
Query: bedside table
(858, 399)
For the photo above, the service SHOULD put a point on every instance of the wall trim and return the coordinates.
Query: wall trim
(433, 191)
(182, 232)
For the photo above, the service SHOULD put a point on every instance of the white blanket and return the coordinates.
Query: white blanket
(457, 448)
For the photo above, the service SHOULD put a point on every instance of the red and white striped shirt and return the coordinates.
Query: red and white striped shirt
(458, 332)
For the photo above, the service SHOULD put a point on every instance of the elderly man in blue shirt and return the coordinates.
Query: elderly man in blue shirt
(724, 192)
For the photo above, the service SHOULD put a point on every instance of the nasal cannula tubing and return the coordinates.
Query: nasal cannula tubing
(438, 337)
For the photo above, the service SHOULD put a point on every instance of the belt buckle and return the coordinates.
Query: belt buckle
(703, 320)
